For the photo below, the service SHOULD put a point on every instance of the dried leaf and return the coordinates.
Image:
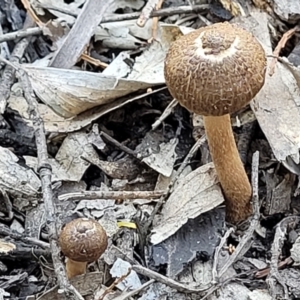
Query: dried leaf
(163, 161)
(70, 92)
(195, 194)
(275, 106)
(55, 123)
(15, 178)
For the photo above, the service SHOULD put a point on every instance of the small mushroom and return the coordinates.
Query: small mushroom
(215, 71)
(82, 240)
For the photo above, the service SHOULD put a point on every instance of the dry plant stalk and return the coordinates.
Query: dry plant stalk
(280, 46)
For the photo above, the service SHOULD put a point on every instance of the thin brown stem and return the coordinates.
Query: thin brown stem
(74, 268)
(229, 167)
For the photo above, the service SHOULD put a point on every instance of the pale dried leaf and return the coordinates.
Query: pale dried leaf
(99, 205)
(164, 160)
(69, 156)
(58, 173)
(71, 8)
(121, 4)
(15, 178)
(195, 194)
(149, 66)
(295, 252)
(70, 92)
(275, 106)
(118, 38)
(118, 67)
(111, 34)
(55, 123)
(119, 269)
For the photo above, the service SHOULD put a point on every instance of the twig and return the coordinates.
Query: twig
(265, 272)
(31, 12)
(93, 61)
(168, 110)
(115, 18)
(202, 18)
(245, 241)
(79, 36)
(170, 11)
(165, 280)
(117, 144)
(114, 284)
(44, 169)
(20, 34)
(123, 195)
(6, 231)
(279, 238)
(134, 292)
(217, 253)
(155, 21)
(281, 44)
(8, 75)
(188, 158)
(146, 12)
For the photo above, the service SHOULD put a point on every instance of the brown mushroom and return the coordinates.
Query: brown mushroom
(215, 71)
(82, 240)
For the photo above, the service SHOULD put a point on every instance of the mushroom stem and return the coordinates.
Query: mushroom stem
(229, 167)
(74, 268)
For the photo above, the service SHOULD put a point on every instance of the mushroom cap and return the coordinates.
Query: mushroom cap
(83, 240)
(215, 70)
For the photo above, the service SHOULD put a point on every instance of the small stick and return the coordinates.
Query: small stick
(165, 12)
(6, 231)
(93, 61)
(265, 272)
(202, 18)
(31, 12)
(165, 114)
(146, 12)
(217, 253)
(155, 21)
(189, 156)
(245, 241)
(115, 18)
(20, 34)
(165, 280)
(123, 195)
(164, 197)
(279, 238)
(44, 170)
(134, 292)
(79, 36)
(117, 144)
(113, 285)
(281, 44)
(8, 76)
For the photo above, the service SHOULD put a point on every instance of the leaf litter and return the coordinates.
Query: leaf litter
(111, 128)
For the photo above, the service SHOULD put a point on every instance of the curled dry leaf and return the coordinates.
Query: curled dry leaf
(195, 194)
(56, 123)
(70, 92)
